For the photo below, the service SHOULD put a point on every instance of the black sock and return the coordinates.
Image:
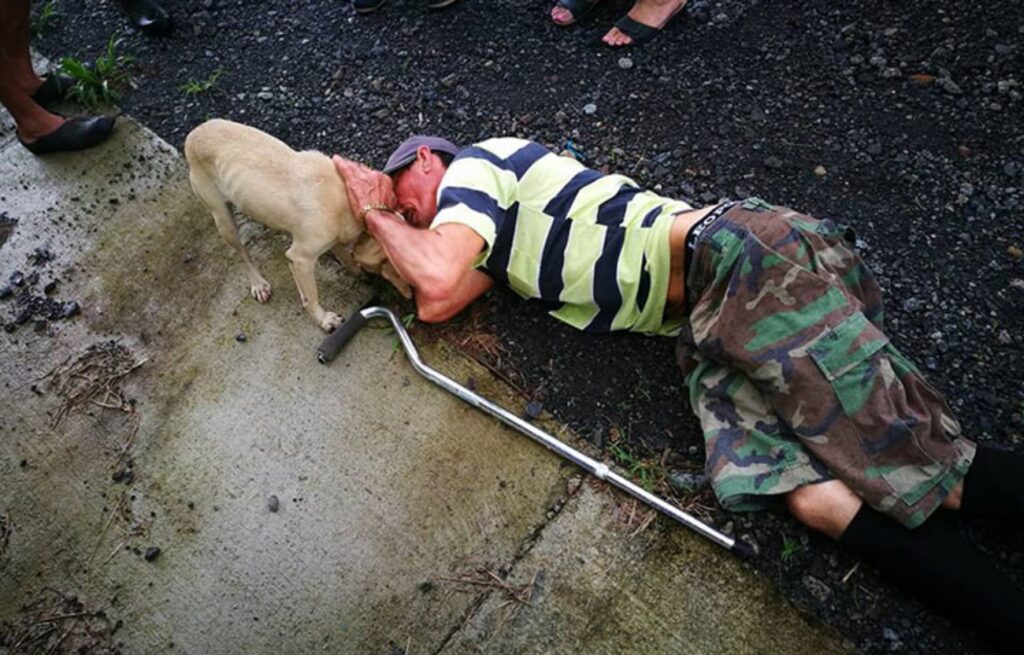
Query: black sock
(994, 486)
(944, 571)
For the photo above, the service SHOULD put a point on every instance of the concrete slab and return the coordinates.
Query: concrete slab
(602, 583)
(386, 485)
(383, 481)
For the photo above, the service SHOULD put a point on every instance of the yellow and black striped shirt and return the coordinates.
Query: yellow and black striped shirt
(593, 247)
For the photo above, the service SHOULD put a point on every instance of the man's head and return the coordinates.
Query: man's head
(416, 167)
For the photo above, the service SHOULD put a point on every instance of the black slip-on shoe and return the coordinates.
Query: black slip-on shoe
(148, 16)
(439, 4)
(54, 87)
(366, 6)
(76, 133)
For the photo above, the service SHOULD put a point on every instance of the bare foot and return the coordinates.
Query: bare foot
(562, 16)
(655, 13)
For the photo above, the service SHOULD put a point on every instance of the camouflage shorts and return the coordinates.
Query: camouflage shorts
(794, 381)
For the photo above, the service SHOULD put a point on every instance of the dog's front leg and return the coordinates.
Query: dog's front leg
(303, 267)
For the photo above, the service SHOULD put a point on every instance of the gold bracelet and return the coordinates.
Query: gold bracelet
(377, 206)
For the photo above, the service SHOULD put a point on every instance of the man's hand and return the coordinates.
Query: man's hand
(364, 186)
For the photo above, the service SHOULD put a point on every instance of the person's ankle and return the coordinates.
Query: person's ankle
(30, 84)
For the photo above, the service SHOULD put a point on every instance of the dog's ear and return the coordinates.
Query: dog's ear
(368, 251)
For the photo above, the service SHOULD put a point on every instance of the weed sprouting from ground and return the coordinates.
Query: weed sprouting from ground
(790, 547)
(648, 473)
(44, 19)
(96, 86)
(198, 87)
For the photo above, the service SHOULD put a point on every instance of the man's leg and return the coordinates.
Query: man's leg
(931, 561)
(994, 486)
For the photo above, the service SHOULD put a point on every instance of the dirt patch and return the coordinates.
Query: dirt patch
(33, 293)
(55, 623)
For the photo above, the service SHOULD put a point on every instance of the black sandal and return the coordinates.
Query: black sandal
(578, 9)
(75, 134)
(640, 33)
(366, 6)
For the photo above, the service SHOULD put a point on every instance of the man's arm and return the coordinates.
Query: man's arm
(473, 284)
(438, 263)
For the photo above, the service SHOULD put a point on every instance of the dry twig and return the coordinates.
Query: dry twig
(58, 623)
(6, 528)
(95, 377)
(485, 577)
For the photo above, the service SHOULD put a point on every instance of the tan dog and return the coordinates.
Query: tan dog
(295, 192)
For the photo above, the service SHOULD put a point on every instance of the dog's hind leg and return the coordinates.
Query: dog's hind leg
(302, 260)
(215, 201)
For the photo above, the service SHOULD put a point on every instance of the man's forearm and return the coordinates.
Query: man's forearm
(412, 251)
(433, 262)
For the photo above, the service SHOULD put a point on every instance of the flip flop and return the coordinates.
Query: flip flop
(578, 8)
(640, 33)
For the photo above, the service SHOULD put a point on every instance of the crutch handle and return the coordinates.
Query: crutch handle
(335, 341)
(743, 550)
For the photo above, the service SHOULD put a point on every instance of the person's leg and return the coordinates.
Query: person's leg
(15, 32)
(38, 130)
(797, 312)
(994, 486)
(931, 561)
(17, 79)
(827, 507)
(653, 13)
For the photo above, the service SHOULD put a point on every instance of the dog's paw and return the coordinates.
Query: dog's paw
(260, 291)
(330, 321)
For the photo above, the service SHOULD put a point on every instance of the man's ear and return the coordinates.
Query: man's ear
(423, 158)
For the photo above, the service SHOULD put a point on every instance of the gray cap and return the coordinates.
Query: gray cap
(405, 154)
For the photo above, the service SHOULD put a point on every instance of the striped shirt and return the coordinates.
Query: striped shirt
(592, 247)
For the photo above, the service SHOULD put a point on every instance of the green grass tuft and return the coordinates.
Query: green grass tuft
(790, 547)
(95, 85)
(44, 19)
(198, 87)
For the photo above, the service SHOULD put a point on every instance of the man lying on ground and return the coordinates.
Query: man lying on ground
(799, 393)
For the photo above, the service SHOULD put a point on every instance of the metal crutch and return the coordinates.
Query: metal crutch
(333, 344)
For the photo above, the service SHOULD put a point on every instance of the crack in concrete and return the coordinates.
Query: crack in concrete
(573, 486)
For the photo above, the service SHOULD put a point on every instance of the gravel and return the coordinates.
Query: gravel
(909, 106)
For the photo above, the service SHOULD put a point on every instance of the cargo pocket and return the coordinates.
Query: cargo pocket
(844, 355)
(837, 231)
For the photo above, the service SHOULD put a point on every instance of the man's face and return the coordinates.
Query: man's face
(416, 188)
